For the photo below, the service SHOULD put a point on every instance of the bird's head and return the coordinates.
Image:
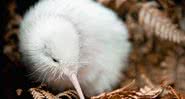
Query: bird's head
(52, 48)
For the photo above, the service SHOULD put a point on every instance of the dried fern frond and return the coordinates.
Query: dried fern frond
(150, 92)
(173, 92)
(147, 92)
(143, 93)
(41, 94)
(48, 95)
(69, 94)
(122, 93)
(36, 94)
(155, 21)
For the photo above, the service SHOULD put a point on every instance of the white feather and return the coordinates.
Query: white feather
(83, 35)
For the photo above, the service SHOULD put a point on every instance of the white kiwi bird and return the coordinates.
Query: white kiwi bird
(78, 43)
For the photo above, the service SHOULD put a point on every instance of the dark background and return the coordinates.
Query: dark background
(11, 76)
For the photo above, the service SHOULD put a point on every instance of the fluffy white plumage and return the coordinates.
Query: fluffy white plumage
(63, 37)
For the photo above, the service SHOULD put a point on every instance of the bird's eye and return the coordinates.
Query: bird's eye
(55, 60)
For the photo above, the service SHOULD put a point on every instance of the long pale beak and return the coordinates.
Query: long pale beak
(76, 84)
(73, 78)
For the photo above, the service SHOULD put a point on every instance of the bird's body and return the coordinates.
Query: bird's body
(59, 37)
